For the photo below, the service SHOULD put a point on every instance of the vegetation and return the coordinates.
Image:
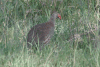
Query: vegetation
(75, 42)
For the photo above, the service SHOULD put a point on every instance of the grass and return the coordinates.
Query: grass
(74, 41)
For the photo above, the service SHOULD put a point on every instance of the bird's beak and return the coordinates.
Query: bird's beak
(59, 16)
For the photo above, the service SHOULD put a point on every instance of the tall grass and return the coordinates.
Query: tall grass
(74, 43)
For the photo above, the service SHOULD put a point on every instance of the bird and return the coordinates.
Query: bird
(41, 34)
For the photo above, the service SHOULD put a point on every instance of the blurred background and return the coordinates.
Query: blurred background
(75, 42)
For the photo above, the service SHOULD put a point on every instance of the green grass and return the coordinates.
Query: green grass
(73, 43)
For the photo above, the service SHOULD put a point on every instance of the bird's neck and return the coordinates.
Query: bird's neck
(52, 20)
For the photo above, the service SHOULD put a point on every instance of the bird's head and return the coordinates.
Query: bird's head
(56, 15)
